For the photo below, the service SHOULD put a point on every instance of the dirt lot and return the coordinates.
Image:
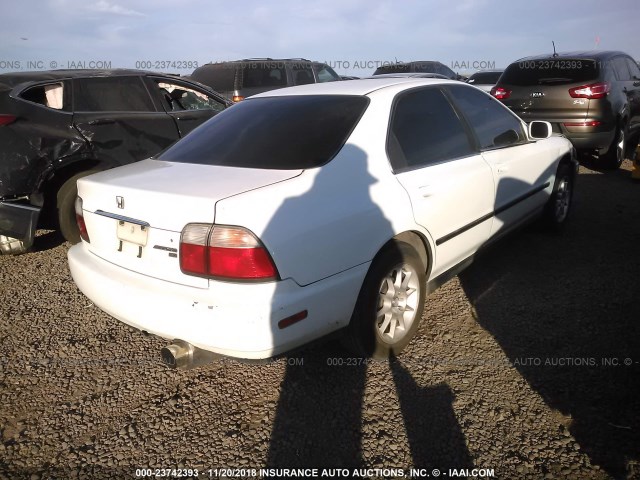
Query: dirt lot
(527, 364)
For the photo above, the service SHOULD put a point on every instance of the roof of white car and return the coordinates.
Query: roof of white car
(352, 87)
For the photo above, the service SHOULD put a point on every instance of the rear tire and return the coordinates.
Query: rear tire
(390, 303)
(66, 198)
(614, 157)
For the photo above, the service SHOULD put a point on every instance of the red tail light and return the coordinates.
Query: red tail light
(230, 253)
(80, 221)
(593, 91)
(593, 123)
(6, 119)
(500, 93)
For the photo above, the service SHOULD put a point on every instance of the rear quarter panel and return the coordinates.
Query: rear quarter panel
(331, 218)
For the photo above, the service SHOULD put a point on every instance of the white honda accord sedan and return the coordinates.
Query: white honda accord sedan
(307, 210)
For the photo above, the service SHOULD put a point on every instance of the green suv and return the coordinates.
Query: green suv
(593, 98)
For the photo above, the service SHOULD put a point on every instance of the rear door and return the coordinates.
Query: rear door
(186, 103)
(39, 139)
(521, 169)
(449, 183)
(629, 77)
(119, 119)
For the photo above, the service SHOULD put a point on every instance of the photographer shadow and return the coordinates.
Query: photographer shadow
(319, 416)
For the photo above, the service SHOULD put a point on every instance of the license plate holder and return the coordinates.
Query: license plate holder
(132, 233)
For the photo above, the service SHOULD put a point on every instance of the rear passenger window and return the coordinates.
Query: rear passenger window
(112, 94)
(263, 75)
(425, 130)
(622, 70)
(633, 68)
(51, 95)
(492, 123)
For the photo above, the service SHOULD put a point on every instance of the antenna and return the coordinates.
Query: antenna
(554, 48)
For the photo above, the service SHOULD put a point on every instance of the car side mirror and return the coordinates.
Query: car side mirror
(539, 130)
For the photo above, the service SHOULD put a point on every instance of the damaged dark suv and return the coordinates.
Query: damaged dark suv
(58, 126)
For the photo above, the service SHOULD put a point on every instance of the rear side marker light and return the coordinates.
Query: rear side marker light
(594, 123)
(6, 119)
(287, 322)
(226, 253)
(82, 226)
(500, 93)
(593, 91)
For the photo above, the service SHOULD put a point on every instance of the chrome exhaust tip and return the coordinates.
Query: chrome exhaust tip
(182, 355)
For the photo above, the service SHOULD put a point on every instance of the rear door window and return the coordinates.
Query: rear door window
(621, 68)
(282, 133)
(270, 74)
(494, 125)
(425, 130)
(551, 71)
(633, 68)
(112, 94)
(302, 74)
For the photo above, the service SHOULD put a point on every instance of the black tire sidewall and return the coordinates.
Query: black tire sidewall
(363, 339)
(550, 218)
(66, 216)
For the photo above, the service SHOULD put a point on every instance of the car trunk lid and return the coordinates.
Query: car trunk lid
(135, 214)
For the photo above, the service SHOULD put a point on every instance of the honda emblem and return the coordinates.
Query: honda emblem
(120, 202)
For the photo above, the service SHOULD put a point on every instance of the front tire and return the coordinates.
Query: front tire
(66, 198)
(390, 303)
(558, 206)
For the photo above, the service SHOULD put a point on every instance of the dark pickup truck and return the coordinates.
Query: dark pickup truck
(57, 126)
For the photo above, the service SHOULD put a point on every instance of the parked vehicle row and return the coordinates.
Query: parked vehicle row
(251, 237)
(56, 127)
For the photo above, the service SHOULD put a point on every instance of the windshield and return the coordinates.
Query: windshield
(283, 133)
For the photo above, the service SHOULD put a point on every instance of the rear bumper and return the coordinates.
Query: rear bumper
(19, 220)
(589, 140)
(232, 319)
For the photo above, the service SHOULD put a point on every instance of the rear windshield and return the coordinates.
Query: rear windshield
(550, 71)
(283, 133)
(484, 78)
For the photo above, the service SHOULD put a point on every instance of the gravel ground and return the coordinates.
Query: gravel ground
(519, 366)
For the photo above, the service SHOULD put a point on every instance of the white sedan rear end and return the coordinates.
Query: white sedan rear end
(306, 210)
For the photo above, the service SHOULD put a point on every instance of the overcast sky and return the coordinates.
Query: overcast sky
(352, 35)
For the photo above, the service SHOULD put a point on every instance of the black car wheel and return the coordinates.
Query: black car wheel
(558, 206)
(390, 304)
(616, 153)
(66, 198)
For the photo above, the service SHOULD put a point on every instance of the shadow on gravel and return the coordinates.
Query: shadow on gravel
(318, 421)
(434, 435)
(46, 240)
(565, 309)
